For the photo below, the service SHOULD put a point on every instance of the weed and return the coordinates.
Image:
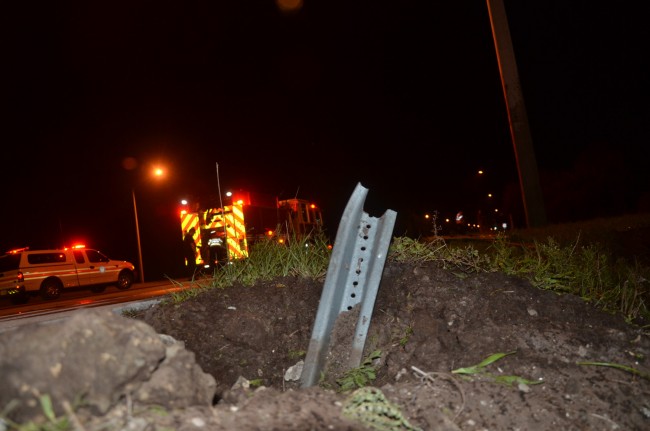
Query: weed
(256, 383)
(371, 407)
(53, 423)
(361, 376)
(479, 369)
(295, 354)
(618, 366)
(407, 335)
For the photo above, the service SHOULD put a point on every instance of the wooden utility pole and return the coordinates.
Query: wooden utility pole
(531, 190)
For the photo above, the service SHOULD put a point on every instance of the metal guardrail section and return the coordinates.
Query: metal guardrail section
(353, 277)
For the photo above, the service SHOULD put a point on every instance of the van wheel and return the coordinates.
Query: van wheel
(51, 288)
(125, 280)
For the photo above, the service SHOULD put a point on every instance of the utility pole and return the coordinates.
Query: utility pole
(137, 233)
(531, 190)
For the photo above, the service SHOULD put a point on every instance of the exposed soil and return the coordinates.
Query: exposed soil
(427, 322)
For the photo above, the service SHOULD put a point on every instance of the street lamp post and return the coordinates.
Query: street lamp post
(156, 172)
(137, 233)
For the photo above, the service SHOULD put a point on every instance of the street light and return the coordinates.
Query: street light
(157, 172)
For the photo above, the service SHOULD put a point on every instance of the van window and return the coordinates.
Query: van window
(39, 258)
(95, 256)
(9, 262)
(78, 256)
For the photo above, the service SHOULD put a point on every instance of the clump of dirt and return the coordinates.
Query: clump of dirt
(553, 370)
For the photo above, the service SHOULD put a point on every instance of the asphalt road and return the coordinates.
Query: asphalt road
(40, 310)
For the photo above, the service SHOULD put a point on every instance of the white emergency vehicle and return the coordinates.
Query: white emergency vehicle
(25, 272)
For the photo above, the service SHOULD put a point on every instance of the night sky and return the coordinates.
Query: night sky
(403, 97)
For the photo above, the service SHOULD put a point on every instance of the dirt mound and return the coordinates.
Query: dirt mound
(549, 360)
(428, 322)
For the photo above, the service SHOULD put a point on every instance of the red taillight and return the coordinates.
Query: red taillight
(20, 277)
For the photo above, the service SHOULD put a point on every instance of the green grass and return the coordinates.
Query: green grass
(361, 376)
(596, 261)
(625, 368)
(590, 260)
(302, 257)
(52, 422)
(480, 370)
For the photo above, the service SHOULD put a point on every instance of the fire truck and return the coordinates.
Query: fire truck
(224, 233)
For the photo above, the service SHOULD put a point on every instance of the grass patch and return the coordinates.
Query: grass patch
(581, 259)
(595, 261)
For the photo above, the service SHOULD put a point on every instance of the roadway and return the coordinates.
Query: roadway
(37, 309)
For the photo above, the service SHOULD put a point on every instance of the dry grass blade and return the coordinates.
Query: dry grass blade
(618, 366)
(429, 379)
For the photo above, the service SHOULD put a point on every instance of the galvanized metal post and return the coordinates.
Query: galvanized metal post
(353, 277)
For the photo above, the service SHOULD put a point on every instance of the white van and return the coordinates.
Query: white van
(25, 272)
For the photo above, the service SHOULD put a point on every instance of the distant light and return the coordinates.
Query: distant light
(504, 225)
(228, 194)
(480, 172)
(289, 5)
(184, 201)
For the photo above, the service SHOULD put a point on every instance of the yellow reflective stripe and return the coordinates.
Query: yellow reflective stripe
(232, 217)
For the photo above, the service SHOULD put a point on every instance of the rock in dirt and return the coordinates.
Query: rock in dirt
(93, 361)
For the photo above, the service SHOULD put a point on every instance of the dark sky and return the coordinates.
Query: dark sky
(404, 97)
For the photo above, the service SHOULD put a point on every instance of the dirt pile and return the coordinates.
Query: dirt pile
(428, 324)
